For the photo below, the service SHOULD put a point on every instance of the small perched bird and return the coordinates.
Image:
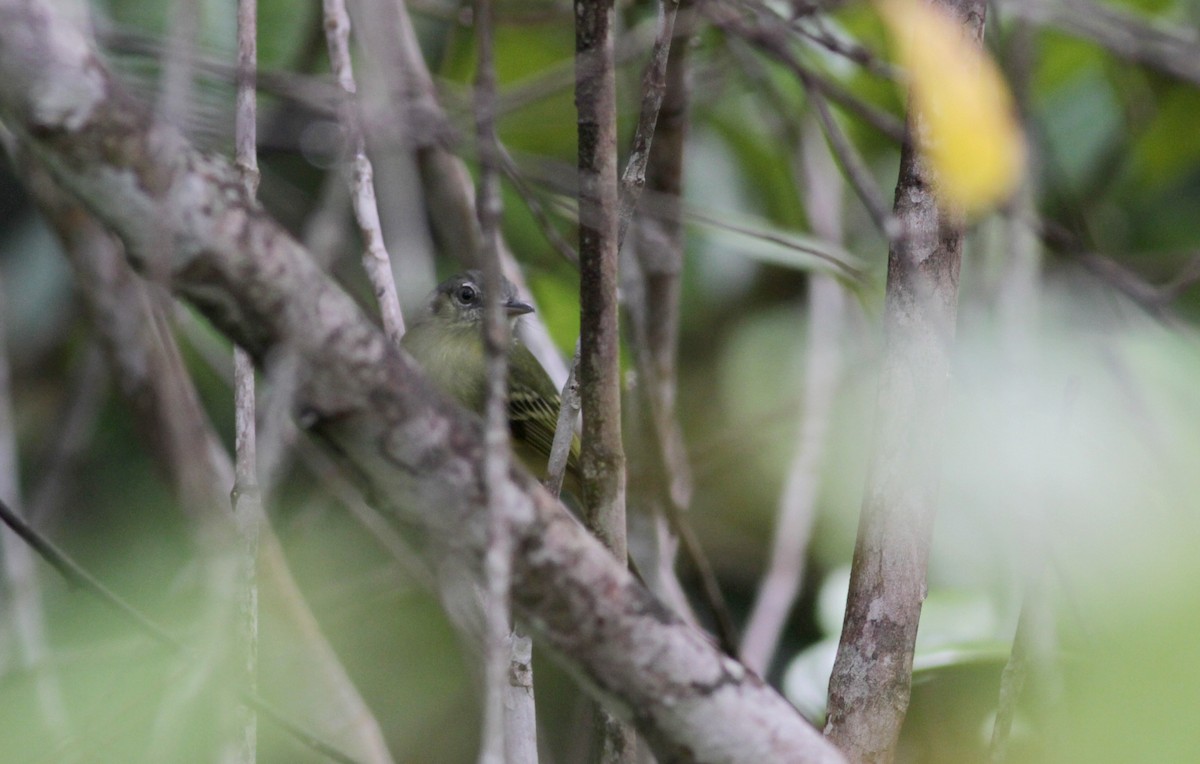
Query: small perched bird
(447, 341)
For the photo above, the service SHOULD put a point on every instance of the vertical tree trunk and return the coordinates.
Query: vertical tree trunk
(602, 457)
(871, 681)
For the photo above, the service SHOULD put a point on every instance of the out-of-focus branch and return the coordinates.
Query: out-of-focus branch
(772, 37)
(417, 455)
(1012, 683)
(509, 724)
(826, 308)
(654, 87)
(175, 85)
(872, 674)
(651, 283)
(1169, 50)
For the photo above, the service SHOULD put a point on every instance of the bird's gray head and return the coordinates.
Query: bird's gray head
(459, 300)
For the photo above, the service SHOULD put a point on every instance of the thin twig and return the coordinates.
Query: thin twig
(77, 576)
(246, 118)
(556, 240)
(376, 261)
(854, 167)
(247, 500)
(870, 114)
(851, 50)
(564, 429)
(659, 206)
(772, 39)
(652, 295)
(650, 279)
(654, 86)
(247, 514)
(1157, 46)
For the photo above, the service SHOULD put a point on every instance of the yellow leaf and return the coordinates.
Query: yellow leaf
(969, 131)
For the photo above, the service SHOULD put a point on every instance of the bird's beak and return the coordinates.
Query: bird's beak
(515, 307)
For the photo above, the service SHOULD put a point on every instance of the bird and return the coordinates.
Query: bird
(446, 340)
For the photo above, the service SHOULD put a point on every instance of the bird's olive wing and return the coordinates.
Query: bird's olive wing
(533, 405)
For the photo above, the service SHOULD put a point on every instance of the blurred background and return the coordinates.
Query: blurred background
(1069, 483)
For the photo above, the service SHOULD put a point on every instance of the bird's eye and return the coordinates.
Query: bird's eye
(466, 294)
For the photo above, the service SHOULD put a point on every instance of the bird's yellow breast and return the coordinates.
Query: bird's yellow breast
(453, 359)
